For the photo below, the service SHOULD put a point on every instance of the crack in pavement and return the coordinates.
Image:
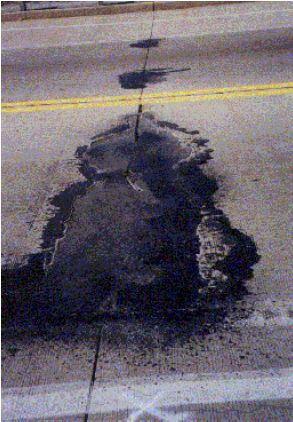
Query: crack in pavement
(93, 377)
(143, 74)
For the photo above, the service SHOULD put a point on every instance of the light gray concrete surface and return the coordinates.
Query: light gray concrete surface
(251, 162)
(62, 358)
(31, 43)
(251, 142)
(229, 18)
(38, 162)
(38, 5)
(132, 400)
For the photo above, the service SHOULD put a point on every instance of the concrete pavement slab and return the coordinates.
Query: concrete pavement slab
(150, 350)
(79, 20)
(112, 8)
(86, 78)
(237, 23)
(175, 399)
(182, 69)
(221, 70)
(75, 31)
(36, 171)
(258, 185)
(261, 25)
(60, 362)
(60, 355)
(163, 399)
(250, 162)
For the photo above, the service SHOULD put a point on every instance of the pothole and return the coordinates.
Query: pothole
(140, 238)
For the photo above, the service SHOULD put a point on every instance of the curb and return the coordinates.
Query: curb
(107, 10)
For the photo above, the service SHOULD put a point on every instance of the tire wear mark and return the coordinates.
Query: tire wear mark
(143, 238)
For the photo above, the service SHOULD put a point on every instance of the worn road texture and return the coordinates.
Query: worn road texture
(141, 236)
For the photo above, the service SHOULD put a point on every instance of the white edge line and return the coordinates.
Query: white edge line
(70, 399)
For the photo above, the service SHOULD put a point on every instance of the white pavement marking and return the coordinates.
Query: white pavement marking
(140, 397)
(145, 407)
(149, 409)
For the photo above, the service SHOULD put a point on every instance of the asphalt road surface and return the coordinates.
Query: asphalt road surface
(145, 217)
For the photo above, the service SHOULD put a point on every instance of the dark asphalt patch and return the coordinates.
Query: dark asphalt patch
(149, 43)
(143, 239)
(142, 78)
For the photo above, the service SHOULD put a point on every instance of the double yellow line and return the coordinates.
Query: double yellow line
(156, 98)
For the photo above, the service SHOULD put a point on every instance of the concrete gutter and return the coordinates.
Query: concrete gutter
(107, 10)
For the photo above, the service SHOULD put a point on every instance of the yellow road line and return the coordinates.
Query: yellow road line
(155, 98)
(75, 100)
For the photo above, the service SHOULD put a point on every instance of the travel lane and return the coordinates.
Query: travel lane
(184, 72)
(38, 161)
(251, 139)
(39, 83)
(151, 352)
(30, 221)
(40, 73)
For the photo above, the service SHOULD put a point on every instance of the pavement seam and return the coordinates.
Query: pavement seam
(140, 107)
(93, 377)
